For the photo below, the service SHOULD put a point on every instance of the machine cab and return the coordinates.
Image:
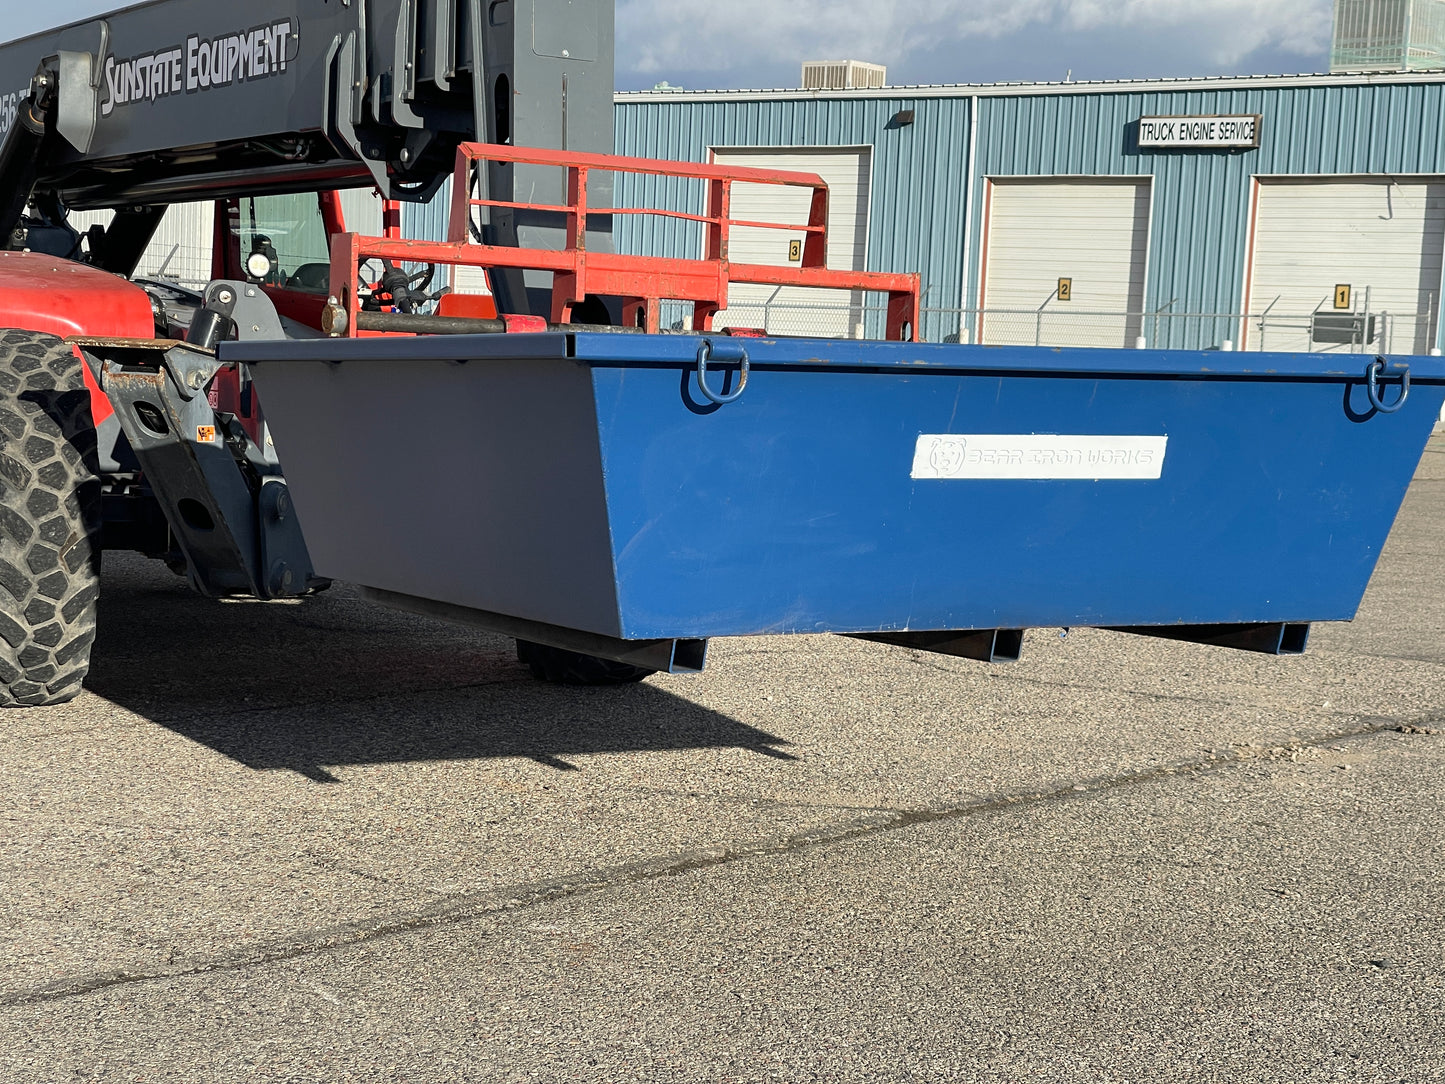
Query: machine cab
(283, 243)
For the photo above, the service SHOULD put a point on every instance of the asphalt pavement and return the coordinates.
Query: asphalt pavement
(328, 842)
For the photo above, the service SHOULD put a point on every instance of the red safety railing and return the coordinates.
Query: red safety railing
(642, 282)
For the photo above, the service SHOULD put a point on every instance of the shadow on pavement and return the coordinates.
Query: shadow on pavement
(334, 681)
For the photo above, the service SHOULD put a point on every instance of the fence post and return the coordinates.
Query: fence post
(767, 309)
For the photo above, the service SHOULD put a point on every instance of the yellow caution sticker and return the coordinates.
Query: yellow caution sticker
(205, 434)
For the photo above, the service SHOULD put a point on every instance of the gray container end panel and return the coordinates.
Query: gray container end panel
(471, 484)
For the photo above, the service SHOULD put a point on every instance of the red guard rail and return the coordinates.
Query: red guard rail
(642, 282)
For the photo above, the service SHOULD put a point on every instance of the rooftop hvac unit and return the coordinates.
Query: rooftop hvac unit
(1388, 35)
(843, 75)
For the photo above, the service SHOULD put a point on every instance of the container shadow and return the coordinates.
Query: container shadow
(335, 681)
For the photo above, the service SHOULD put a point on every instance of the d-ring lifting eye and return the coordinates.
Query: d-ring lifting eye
(1372, 384)
(704, 355)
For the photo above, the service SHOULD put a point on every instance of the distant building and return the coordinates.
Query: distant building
(1388, 35)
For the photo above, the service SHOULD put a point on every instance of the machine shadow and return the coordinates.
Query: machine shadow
(334, 681)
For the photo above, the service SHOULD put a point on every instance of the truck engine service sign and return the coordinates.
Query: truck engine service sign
(1201, 132)
(200, 64)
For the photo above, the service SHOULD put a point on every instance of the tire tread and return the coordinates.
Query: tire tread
(49, 522)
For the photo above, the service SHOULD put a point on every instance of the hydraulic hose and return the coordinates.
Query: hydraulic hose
(20, 156)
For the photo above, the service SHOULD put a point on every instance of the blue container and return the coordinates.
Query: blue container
(590, 482)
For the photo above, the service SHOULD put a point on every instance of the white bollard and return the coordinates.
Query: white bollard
(1139, 343)
(1227, 345)
(1435, 353)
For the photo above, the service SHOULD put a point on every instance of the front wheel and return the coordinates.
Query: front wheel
(49, 522)
(563, 667)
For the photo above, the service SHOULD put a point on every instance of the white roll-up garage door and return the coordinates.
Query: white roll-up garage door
(1093, 233)
(791, 310)
(1381, 238)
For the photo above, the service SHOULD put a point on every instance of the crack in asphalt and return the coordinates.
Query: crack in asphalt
(469, 907)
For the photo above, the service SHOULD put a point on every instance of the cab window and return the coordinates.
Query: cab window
(282, 241)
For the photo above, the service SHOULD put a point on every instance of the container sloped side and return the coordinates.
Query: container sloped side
(417, 469)
(795, 508)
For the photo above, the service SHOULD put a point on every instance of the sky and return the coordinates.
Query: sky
(721, 44)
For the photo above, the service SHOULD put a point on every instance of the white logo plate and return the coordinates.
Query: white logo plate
(1036, 457)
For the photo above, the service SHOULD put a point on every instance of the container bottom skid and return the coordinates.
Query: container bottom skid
(613, 495)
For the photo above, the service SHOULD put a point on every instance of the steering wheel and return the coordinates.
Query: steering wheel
(397, 289)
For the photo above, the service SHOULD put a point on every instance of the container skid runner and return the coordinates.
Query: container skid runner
(640, 283)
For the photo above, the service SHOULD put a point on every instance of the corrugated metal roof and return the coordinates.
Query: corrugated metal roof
(1101, 86)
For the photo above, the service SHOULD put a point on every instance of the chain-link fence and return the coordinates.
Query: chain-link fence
(860, 315)
(864, 316)
(181, 251)
(1314, 332)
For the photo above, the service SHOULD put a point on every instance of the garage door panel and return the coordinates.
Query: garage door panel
(1095, 233)
(1381, 237)
(793, 310)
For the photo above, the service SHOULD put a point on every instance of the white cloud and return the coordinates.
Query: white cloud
(1227, 29)
(708, 36)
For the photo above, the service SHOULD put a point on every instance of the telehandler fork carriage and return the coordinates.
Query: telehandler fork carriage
(553, 463)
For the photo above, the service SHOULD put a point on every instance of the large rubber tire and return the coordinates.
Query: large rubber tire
(50, 516)
(572, 668)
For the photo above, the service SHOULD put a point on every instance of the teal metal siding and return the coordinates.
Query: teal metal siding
(428, 221)
(1200, 207)
(917, 194)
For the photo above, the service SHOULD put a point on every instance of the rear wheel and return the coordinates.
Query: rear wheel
(49, 522)
(573, 668)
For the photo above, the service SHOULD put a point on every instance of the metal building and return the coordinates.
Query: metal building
(1278, 212)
